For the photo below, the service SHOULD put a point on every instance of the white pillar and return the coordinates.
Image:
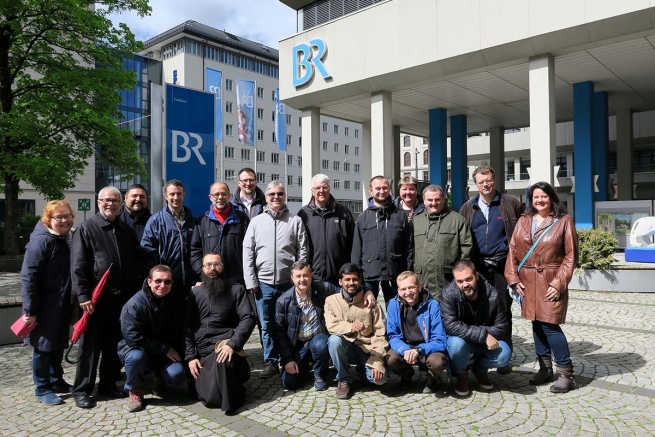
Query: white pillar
(366, 161)
(396, 172)
(497, 155)
(311, 150)
(542, 118)
(381, 135)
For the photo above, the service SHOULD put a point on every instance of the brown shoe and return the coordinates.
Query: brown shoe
(462, 386)
(483, 380)
(545, 373)
(343, 390)
(565, 381)
(135, 401)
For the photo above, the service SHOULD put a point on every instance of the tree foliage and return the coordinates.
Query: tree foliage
(595, 249)
(60, 69)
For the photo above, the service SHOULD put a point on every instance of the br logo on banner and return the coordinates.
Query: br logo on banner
(180, 144)
(304, 57)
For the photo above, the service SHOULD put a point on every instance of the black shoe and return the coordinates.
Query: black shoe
(158, 386)
(406, 378)
(112, 392)
(84, 401)
(504, 370)
(62, 387)
(269, 370)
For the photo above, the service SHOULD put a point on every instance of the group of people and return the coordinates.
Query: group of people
(310, 282)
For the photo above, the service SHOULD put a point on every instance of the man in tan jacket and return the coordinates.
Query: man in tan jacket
(357, 333)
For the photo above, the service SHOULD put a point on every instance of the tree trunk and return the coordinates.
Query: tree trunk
(11, 215)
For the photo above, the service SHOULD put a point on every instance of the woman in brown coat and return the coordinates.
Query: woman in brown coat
(543, 280)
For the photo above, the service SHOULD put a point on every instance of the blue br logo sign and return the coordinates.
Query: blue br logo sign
(308, 57)
(181, 140)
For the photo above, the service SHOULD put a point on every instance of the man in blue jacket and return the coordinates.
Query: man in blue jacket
(416, 333)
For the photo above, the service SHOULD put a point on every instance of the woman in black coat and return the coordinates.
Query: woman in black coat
(46, 291)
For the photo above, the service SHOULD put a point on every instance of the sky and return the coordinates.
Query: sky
(262, 21)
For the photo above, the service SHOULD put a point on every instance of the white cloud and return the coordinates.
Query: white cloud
(262, 21)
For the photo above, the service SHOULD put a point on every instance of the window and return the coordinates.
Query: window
(275, 159)
(300, 161)
(525, 164)
(289, 180)
(356, 133)
(407, 141)
(356, 168)
(325, 145)
(275, 177)
(245, 154)
(336, 129)
(260, 113)
(336, 147)
(260, 92)
(289, 159)
(228, 107)
(510, 176)
(561, 161)
(346, 166)
(261, 156)
(346, 185)
(299, 121)
(228, 84)
(426, 176)
(229, 152)
(356, 150)
(425, 140)
(261, 177)
(346, 130)
(288, 140)
(300, 180)
(426, 157)
(325, 164)
(336, 184)
(260, 135)
(299, 141)
(407, 159)
(336, 165)
(324, 127)
(289, 119)
(274, 138)
(358, 185)
(228, 129)
(229, 175)
(273, 115)
(273, 95)
(346, 149)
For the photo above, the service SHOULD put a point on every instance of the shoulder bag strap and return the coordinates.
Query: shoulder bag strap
(527, 255)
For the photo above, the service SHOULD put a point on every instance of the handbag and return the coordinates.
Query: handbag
(515, 295)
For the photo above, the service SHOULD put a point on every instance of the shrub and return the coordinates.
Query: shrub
(595, 249)
(26, 225)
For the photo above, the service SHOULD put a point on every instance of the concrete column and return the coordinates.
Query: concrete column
(624, 154)
(381, 135)
(458, 160)
(601, 145)
(438, 148)
(497, 155)
(311, 149)
(542, 118)
(396, 159)
(583, 153)
(366, 161)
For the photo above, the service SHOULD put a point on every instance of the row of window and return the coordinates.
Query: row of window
(346, 148)
(335, 129)
(336, 166)
(407, 158)
(246, 155)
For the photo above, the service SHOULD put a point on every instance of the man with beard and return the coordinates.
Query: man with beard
(102, 241)
(415, 332)
(474, 319)
(135, 211)
(383, 245)
(408, 199)
(221, 230)
(357, 333)
(219, 322)
(248, 198)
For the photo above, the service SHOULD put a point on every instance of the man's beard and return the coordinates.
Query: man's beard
(216, 285)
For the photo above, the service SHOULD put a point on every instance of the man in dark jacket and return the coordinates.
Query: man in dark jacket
(135, 210)
(330, 227)
(248, 198)
(167, 239)
(219, 322)
(153, 338)
(475, 322)
(383, 246)
(102, 241)
(221, 230)
(492, 217)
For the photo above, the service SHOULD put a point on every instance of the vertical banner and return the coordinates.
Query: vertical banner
(246, 111)
(280, 122)
(190, 147)
(213, 82)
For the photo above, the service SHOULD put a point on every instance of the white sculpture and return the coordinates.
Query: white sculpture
(642, 232)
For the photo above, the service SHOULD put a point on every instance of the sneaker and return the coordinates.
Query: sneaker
(506, 370)
(430, 385)
(269, 370)
(406, 378)
(50, 399)
(462, 386)
(483, 380)
(343, 390)
(135, 402)
(158, 386)
(319, 384)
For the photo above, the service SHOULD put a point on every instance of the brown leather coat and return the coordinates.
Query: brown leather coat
(551, 264)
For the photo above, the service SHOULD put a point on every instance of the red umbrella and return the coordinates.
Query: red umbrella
(80, 327)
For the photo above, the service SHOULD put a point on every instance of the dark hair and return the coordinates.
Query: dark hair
(349, 268)
(247, 170)
(160, 268)
(380, 177)
(175, 183)
(462, 264)
(556, 206)
(136, 187)
(300, 264)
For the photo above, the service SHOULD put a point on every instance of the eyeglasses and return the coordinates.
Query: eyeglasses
(217, 195)
(487, 182)
(214, 265)
(278, 194)
(59, 218)
(247, 181)
(165, 281)
(110, 201)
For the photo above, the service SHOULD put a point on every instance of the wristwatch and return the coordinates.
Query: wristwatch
(419, 350)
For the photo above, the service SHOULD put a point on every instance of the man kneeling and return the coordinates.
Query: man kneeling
(416, 334)
(152, 334)
(218, 325)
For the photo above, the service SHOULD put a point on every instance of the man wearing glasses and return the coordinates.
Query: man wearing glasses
(248, 197)
(99, 242)
(274, 241)
(221, 230)
(492, 217)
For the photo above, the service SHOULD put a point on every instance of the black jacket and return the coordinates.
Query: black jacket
(288, 315)
(258, 203)
(330, 238)
(210, 319)
(152, 324)
(97, 243)
(383, 245)
(139, 225)
(210, 236)
(472, 322)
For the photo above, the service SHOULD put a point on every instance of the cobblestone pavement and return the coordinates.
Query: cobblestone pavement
(612, 340)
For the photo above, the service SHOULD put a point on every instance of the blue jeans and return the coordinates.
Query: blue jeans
(550, 340)
(316, 348)
(265, 299)
(138, 363)
(459, 351)
(344, 352)
(47, 371)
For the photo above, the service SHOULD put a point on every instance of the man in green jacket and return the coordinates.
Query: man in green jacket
(441, 237)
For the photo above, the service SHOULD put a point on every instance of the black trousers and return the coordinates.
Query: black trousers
(101, 337)
(495, 275)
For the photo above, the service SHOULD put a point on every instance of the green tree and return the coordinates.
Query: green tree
(60, 69)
